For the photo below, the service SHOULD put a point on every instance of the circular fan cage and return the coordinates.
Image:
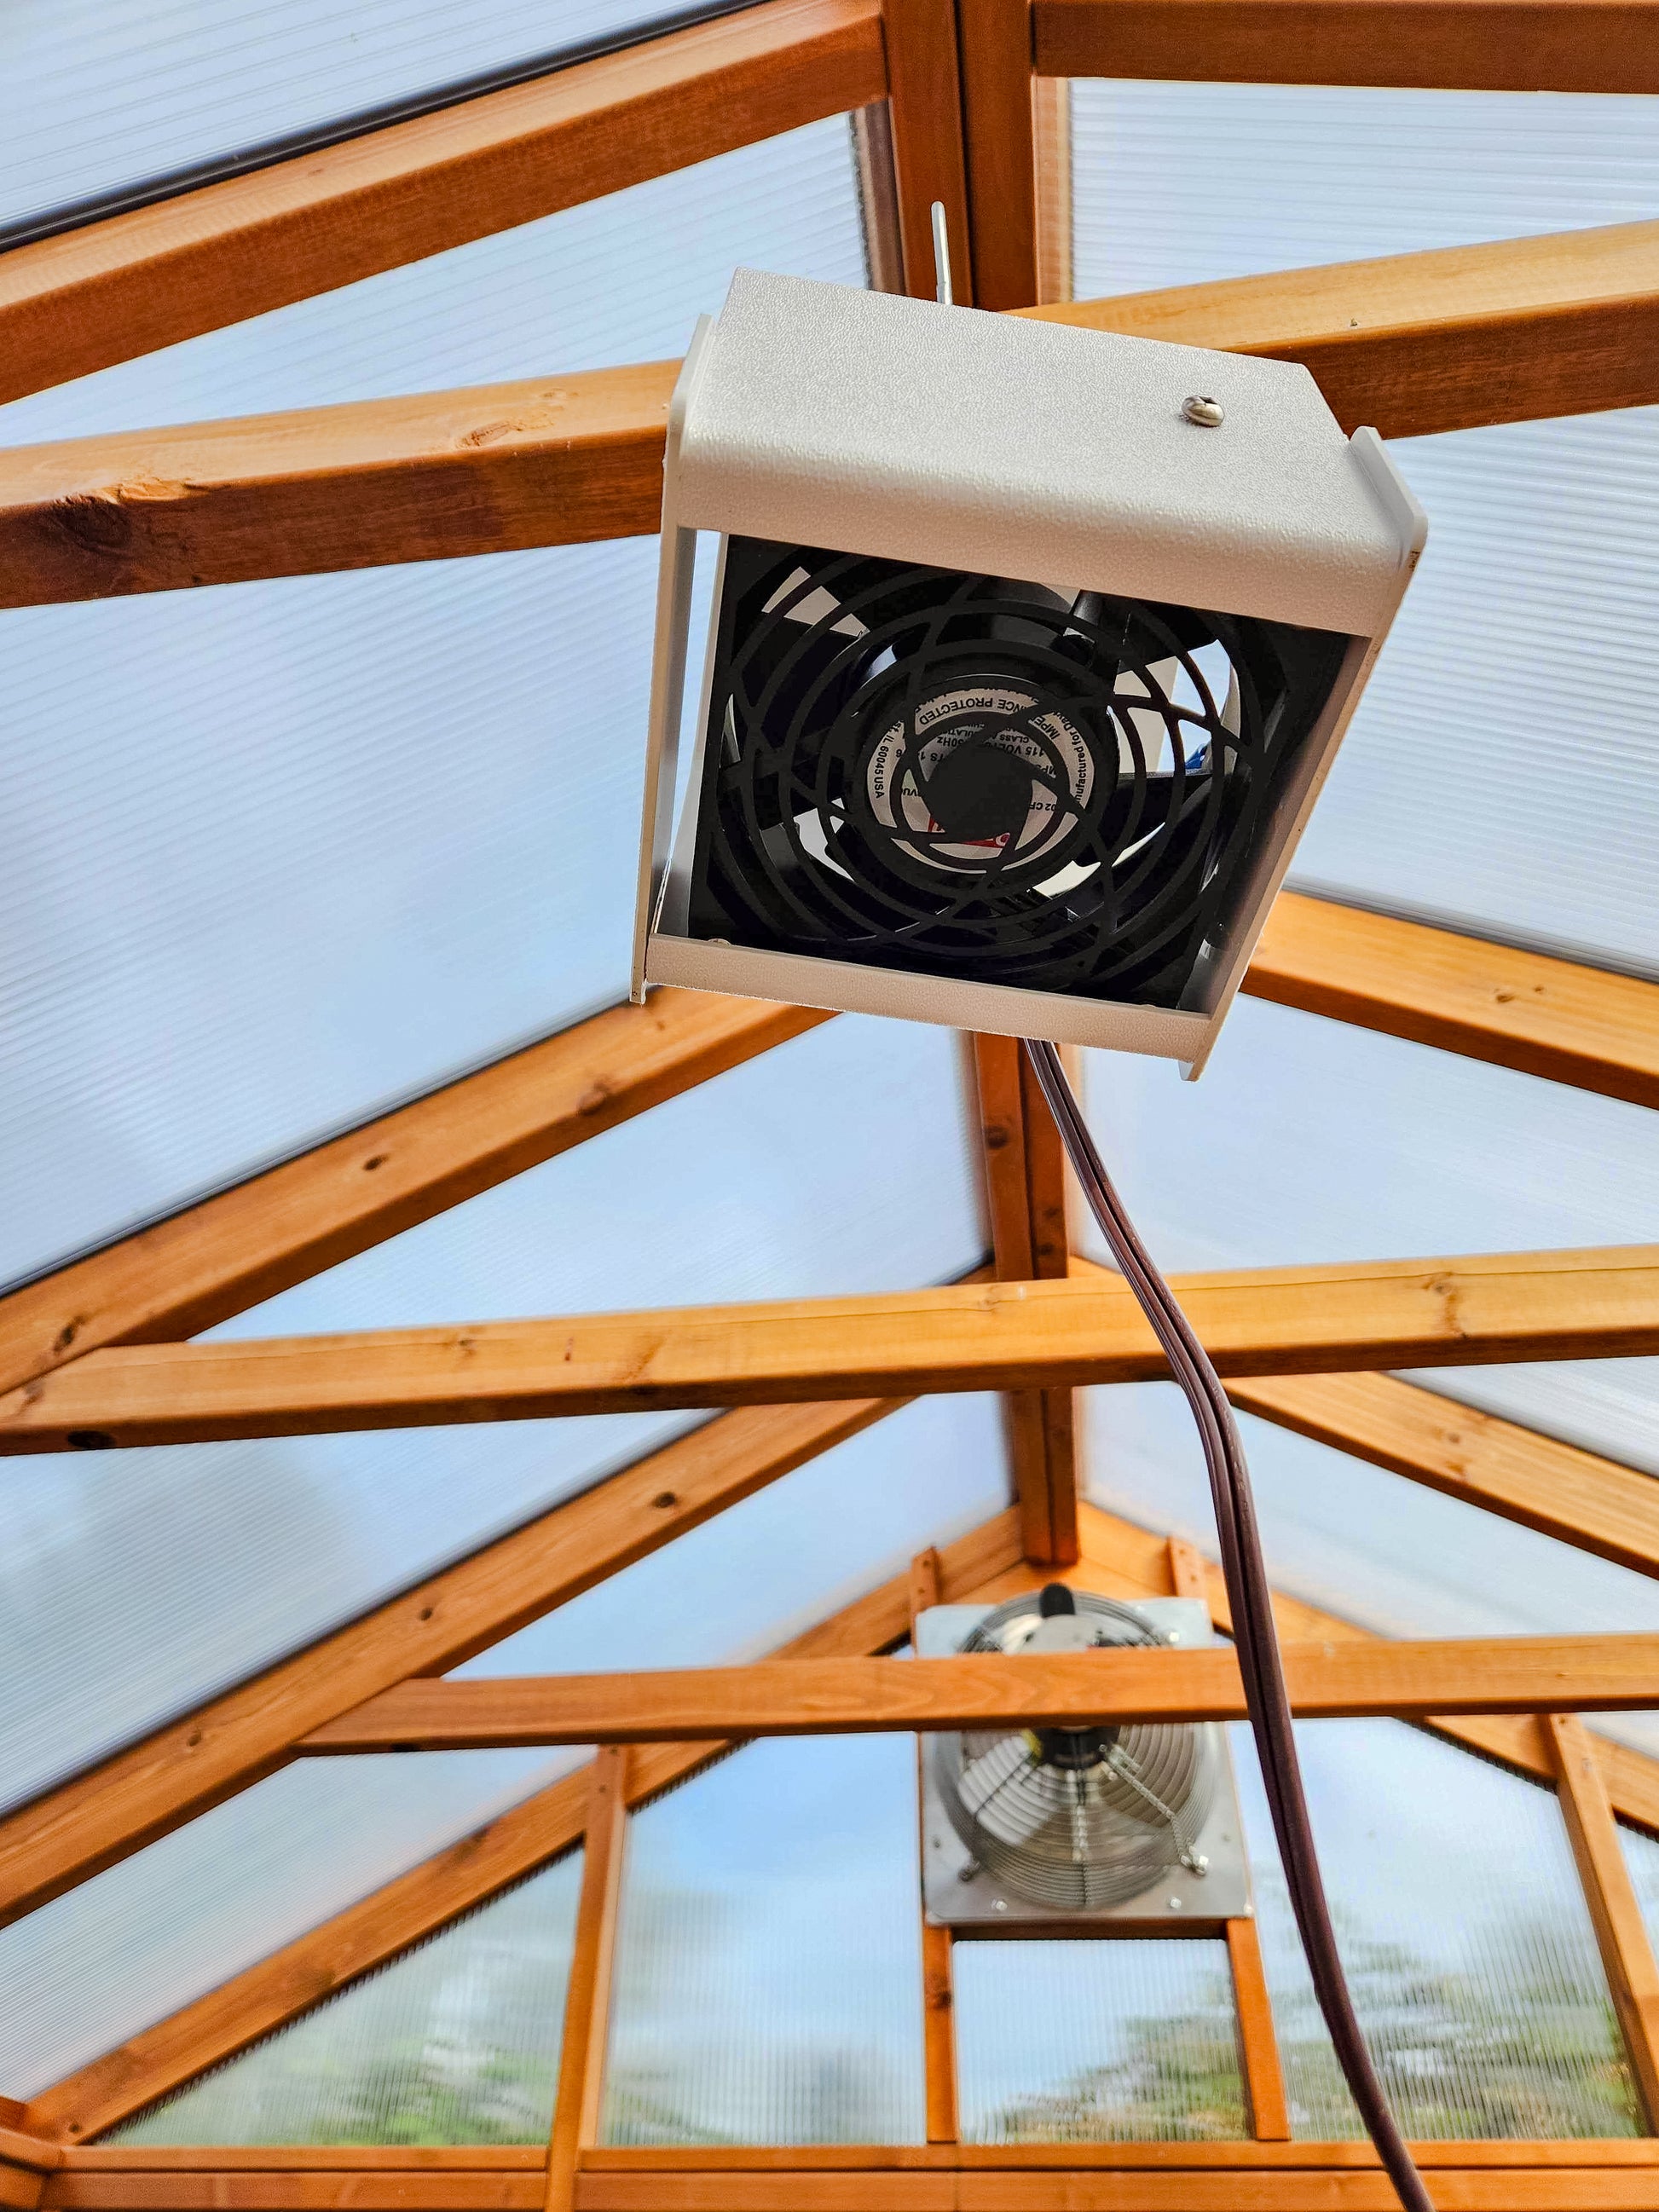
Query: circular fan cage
(1076, 1819)
(915, 768)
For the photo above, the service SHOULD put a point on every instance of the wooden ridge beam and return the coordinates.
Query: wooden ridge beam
(222, 1746)
(969, 1336)
(1514, 1471)
(102, 293)
(836, 1696)
(1564, 323)
(929, 162)
(1524, 328)
(1494, 45)
(266, 1995)
(1573, 1024)
(227, 1254)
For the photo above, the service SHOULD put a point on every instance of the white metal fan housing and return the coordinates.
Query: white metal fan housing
(1062, 471)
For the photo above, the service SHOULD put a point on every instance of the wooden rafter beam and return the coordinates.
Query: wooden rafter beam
(836, 1696)
(167, 1778)
(101, 294)
(1503, 1468)
(1522, 1010)
(557, 461)
(968, 1336)
(1425, 342)
(266, 1995)
(1449, 340)
(220, 1257)
(1495, 46)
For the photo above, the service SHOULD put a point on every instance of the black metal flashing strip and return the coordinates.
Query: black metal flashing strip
(97, 207)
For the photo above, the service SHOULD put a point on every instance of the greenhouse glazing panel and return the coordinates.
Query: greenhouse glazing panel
(457, 2042)
(769, 1972)
(1114, 2041)
(1467, 1940)
(286, 853)
(1500, 774)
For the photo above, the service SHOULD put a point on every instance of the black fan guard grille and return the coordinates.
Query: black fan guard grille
(916, 768)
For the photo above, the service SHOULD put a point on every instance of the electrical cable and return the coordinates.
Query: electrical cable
(1254, 1633)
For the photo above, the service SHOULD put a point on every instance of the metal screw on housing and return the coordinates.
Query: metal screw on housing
(1208, 414)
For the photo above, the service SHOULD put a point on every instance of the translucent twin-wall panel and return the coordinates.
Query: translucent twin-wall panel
(1467, 1940)
(99, 96)
(134, 1943)
(457, 2041)
(284, 853)
(1106, 2042)
(769, 1968)
(1500, 773)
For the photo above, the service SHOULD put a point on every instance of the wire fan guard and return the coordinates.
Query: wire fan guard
(1075, 1818)
(919, 768)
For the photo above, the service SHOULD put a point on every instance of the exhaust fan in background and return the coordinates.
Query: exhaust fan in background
(1086, 1830)
(1030, 646)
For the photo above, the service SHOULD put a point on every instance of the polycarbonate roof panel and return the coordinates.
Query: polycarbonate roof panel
(1183, 183)
(98, 96)
(618, 279)
(1502, 773)
(136, 1942)
(137, 1583)
(283, 853)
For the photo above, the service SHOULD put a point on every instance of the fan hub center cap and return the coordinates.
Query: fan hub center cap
(979, 793)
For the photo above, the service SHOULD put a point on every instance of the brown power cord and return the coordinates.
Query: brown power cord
(1254, 1633)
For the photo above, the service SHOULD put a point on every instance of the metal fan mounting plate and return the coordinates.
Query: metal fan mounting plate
(956, 1894)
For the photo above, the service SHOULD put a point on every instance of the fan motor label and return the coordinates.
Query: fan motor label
(957, 718)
